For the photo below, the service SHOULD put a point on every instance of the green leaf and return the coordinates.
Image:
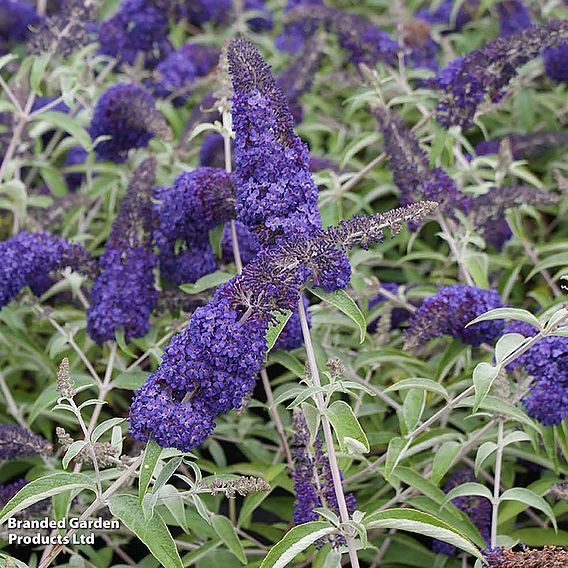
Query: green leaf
(54, 180)
(130, 380)
(227, 533)
(275, 328)
(413, 407)
(560, 259)
(45, 487)
(343, 302)
(39, 66)
(483, 453)
(206, 282)
(467, 490)
(421, 523)
(152, 532)
(419, 383)
(507, 345)
(294, 542)
(67, 123)
(347, 428)
(483, 376)
(443, 459)
(394, 451)
(536, 537)
(530, 498)
(477, 264)
(152, 454)
(104, 426)
(72, 452)
(507, 313)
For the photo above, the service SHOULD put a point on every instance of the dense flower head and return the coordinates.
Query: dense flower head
(489, 209)
(179, 70)
(128, 114)
(547, 363)
(524, 146)
(364, 42)
(295, 33)
(465, 82)
(449, 311)
(549, 557)
(124, 295)
(442, 14)
(421, 49)
(478, 509)
(556, 62)
(313, 484)
(410, 166)
(138, 30)
(276, 196)
(17, 442)
(212, 152)
(513, 16)
(16, 20)
(214, 362)
(197, 202)
(31, 256)
(66, 30)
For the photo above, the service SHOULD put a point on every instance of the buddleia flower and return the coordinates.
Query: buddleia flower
(28, 258)
(212, 365)
(555, 62)
(485, 73)
(221, 12)
(549, 556)
(478, 509)
(295, 33)
(525, 146)
(17, 19)
(547, 363)
(411, 169)
(17, 442)
(124, 294)
(449, 311)
(421, 49)
(128, 114)
(513, 16)
(139, 30)
(197, 202)
(442, 14)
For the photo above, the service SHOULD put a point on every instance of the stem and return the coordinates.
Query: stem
(328, 435)
(458, 254)
(497, 484)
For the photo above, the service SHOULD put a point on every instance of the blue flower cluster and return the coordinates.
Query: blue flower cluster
(218, 12)
(513, 16)
(30, 257)
(449, 311)
(179, 70)
(547, 363)
(295, 33)
(124, 294)
(421, 49)
(411, 169)
(555, 62)
(313, 484)
(16, 19)
(276, 196)
(442, 14)
(138, 30)
(248, 243)
(478, 509)
(208, 369)
(525, 146)
(197, 202)
(128, 114)
(17, 442)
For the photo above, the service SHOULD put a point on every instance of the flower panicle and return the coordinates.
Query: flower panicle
(243, 486)
(64, 384)
(17, 442)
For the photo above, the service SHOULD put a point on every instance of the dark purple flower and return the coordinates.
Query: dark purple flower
(17, 442)
(313, 483)
(197, 202)
(248, 243)
(138, 30)
(128, 114)
(295, 33)
(411, 169)
(546, 362)
(465, 82)
(556, 62)
(488, 210)
(179, 70)
(28, 257)
(212, 152)
(421, 49)
(124, 295)
(276, 196)
(442, 14)
(478, 509)
(16, 20)
(525, 146)
(513, 16)
(76, 155)
(449, 311)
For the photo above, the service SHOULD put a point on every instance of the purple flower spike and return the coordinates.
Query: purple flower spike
(17, 442)
(513, 16)
(449, 311)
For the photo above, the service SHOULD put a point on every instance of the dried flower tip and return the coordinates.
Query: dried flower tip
(245, 406)
(16, 442)
(105, 453)
(64, 439)
(231, 487)
(335, 367)
(549, 557)
(223, 91)
(560, 490)
(64, 385)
